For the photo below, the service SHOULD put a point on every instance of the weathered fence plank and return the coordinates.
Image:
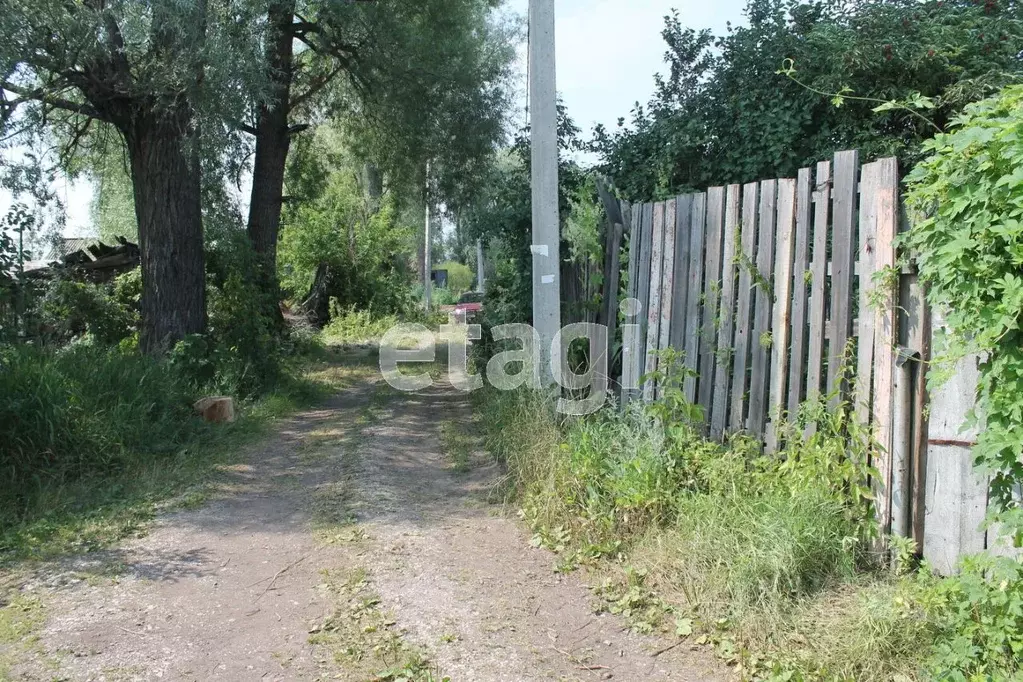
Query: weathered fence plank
(645, 254)
(692, 343)
(680, 295)
(667, 274)
(611, 287)
(956, 493)
(630, 345)
(726, 327)
(782, 312)
(762, 314)
(847, 166)
(800, 268)
(886, 211)
(862, 380)
(743, 316)
(654, 308)
(819, 280)
(711, 291)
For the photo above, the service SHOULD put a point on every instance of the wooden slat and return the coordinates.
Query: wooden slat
(667, 276)
(692, 335)
(630, 340)
(726, 327)
(885, 333)
(653, 334)
(956, 491)
(743, 316)
(762, 315)
(782, 307)
(800, 267)
(605, 310)
(711, 293)
(680, 295)
(844, 202)
(865, 318)
(635, 239)
(611, 291)
(818, 283)
(668, 273)
(644, 284)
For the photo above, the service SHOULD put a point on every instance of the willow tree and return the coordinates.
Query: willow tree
(156, 72)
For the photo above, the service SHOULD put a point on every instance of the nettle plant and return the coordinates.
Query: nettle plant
(967, 201)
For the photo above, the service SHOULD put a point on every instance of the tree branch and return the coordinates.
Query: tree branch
(311, 45)
(48, 99)
(317, 84)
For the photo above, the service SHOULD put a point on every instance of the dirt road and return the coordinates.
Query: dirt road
(354, 545)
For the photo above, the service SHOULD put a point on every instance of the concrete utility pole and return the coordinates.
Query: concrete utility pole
(544, 138)
(427, 259)
(481, 278)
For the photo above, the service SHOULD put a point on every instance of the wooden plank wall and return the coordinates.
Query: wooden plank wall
(782, 291)
(769, 291)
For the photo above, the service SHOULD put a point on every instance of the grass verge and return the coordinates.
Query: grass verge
(767, 559)
(105, 504)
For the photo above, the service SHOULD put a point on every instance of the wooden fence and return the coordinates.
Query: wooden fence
(777, 292)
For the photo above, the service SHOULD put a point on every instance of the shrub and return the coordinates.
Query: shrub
(980, 620)
(72, 309)
(242, 352)
(460, 278)
(351, 326)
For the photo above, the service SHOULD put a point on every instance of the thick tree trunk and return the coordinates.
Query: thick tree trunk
(272, 138)
(168, 206)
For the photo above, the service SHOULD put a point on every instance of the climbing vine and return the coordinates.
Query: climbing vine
(967, 201)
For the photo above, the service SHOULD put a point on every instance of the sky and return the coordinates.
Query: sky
(608, 51)
(607, 54)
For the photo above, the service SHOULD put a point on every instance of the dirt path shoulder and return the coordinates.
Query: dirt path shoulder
(356, 544)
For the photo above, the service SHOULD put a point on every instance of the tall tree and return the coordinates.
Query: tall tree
(145, 69)
(415, 79)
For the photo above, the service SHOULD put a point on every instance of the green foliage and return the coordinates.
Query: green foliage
(352, 326)
(502, 216)
(582, 227)
(83, 411)
(432, 83)
(765, 557)
(441, 296)
(113, 202)
(71, 309)
(980, 620)
(364, 249)
(244, 351)
(968, 242)
(724, 113)
(460, 278)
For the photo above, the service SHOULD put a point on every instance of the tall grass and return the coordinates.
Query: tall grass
(354, 327)
(85, 409)
(92, 438)
(758, 552)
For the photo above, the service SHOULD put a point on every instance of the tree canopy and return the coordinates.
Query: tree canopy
(727, 111)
